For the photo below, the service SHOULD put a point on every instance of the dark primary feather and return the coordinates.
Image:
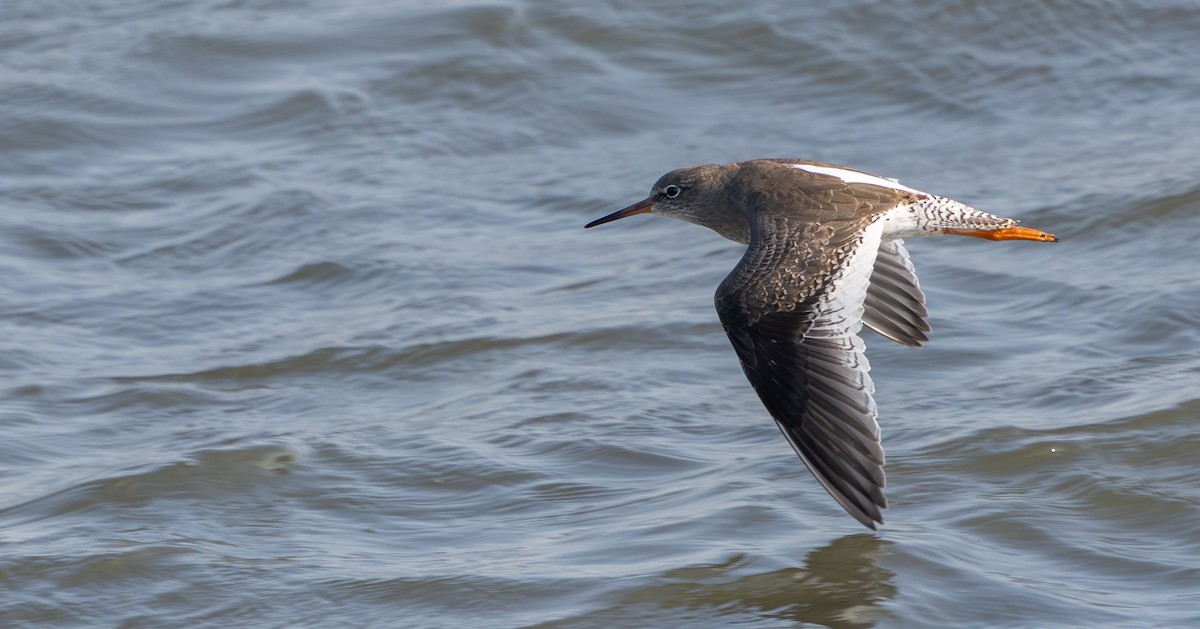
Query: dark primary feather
(895, 305)
(802, 355)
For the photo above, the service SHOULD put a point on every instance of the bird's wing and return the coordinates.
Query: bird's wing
(793, 308)
(895, 305)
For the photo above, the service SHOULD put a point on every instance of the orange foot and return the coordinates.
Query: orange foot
(1005, 233)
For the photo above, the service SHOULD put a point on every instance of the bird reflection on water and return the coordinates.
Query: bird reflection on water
(840, 584)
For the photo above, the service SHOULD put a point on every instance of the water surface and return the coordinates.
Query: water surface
(299, 326)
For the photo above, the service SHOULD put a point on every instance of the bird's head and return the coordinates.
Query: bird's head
(692, 195)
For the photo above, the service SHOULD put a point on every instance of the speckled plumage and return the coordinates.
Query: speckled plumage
(825, 256)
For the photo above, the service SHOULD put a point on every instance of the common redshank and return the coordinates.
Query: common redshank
(826, 255)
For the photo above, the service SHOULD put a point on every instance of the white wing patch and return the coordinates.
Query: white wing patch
(840, 317)
(841, 307)
(853, 176)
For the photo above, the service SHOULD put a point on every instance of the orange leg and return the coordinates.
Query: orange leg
(1005, 233)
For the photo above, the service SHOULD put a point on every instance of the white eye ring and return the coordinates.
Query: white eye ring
(671, 191)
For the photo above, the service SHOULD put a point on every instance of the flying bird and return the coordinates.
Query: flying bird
(826, 256)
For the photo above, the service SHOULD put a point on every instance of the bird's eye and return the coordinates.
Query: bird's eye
(672, 191)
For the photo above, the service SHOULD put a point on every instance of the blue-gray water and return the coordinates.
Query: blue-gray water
(299, 326)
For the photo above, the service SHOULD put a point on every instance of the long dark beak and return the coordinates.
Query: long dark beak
(641, 207)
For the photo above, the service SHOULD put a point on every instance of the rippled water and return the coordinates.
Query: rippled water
(299, 326)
